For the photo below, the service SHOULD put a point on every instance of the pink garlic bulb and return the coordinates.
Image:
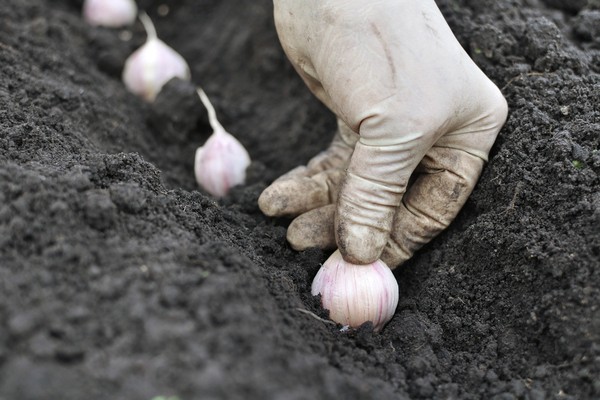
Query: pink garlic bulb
(152, 65)
(355, 294)
(109, 13)
(221, 163)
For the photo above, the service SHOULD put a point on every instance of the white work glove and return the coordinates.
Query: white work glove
(410, 103)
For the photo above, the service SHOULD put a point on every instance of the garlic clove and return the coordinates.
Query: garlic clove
(221, 163)
(109, 13)
(355, 294)
(151, 66)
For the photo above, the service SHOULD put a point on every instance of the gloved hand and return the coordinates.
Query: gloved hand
(410, 104)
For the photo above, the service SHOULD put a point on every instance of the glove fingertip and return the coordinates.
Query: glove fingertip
(293, 197)
(271, 202)
(393, 256)
(313, 229)
(360, 244)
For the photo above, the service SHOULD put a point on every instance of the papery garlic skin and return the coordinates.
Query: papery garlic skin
(109, 13)
(221, 163)
(355, 294)
(151, 66)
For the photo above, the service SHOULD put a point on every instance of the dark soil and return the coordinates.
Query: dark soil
(119, 279)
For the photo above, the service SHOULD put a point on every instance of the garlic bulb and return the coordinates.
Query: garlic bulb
(221, 163)
(152, 65)
(109, 13)
(355, 294)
